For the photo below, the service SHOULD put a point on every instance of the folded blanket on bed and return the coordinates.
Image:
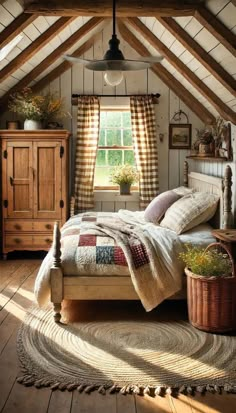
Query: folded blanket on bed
(149, 251)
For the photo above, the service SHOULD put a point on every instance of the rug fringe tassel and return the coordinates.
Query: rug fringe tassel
(136, 389)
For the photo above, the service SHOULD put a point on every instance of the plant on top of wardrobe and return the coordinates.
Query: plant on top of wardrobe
(45, 107)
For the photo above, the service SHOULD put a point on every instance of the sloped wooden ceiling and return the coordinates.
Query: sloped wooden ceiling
(196, 38)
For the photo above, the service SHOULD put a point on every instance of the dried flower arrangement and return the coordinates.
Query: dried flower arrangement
(124, 174)
(44, 108)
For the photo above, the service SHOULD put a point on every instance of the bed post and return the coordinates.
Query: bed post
(56, 275)
(227, 199)
(185, 173)
(72, 206)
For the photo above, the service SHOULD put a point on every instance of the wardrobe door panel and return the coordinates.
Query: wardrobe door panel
(47, 175)
(19, 179)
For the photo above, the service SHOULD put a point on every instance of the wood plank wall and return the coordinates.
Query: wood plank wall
(80, 80)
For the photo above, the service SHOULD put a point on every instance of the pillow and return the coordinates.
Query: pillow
(159, 205)
(189, 211)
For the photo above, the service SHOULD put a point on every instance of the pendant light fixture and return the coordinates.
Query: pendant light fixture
(114, 62)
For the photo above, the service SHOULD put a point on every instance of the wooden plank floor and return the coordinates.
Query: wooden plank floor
(16, 295)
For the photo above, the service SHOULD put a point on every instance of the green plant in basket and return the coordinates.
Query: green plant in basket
(207, 263)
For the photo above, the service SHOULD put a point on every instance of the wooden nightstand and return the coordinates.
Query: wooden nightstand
(227, 236)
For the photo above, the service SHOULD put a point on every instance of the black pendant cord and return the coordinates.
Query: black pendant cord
(114, 17)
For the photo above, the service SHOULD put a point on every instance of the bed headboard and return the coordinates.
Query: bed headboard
(214, 185)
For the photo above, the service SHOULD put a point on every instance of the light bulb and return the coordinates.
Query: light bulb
(113, 77)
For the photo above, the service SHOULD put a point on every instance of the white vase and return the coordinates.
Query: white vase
(30, 124)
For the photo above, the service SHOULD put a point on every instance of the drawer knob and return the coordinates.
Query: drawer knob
(17, 240)
(48, 226)
(48, 240)
(17, 226)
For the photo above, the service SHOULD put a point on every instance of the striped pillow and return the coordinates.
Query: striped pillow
(159, 205)
(190, 211)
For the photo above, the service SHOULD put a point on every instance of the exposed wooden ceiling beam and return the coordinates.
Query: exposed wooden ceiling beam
(212, 98)
(15, 28)
(63, 67)
(168, 78)
(104, 7)
(35, 46)
(78, 35)
(197, 51)
(217, 29)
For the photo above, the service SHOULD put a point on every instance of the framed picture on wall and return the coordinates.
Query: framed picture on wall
(180, 135)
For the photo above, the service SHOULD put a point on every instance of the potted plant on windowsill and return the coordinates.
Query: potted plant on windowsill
(211, 287)
(37, 110)
(124, 176)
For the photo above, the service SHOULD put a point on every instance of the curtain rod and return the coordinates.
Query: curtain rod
(75, 96)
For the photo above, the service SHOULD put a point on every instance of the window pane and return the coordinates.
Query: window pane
(102, 176)
(127, 137)
(101, 157)
(113, 119)
(114, 157)
(102, 119)
(129, 157)
(113, 137)
(126, 116)
(101, 141)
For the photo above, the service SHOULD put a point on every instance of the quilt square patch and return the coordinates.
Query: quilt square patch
(104, 255)
(86, 240)
(140, 256)
(119, 257)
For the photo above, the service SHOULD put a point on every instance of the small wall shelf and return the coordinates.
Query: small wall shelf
(207, 158)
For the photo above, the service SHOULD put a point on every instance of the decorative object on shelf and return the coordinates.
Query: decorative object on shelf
(180, 135)
(211, 287)
(213, 141)
(38, 110)
(13, 124)
(124, 176)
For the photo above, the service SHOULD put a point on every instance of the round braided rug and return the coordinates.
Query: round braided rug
(123, 355)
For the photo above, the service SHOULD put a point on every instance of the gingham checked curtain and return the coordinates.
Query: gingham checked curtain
(86, 151)
(145, 147)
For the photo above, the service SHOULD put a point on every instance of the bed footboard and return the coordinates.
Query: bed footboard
(56, 275)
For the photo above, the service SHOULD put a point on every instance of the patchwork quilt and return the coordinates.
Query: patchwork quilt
(118, 244)
(101, 250)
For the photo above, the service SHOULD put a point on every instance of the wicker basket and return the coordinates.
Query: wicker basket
(212, 300)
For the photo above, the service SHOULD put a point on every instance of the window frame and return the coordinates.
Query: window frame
(115, 147)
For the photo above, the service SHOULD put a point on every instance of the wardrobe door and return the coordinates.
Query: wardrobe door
(47, 180)
(18, 182)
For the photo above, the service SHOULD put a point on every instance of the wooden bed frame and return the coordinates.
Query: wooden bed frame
(121, 288)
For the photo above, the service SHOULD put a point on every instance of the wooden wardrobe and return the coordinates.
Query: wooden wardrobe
(34, 187)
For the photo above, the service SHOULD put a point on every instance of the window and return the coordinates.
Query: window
(114, 146)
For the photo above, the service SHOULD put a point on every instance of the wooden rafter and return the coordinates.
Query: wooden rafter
(35, 46)
(15, 28)
(78, 35)
(215, 101)
(63, 67)
(168, 78)
(217, 29)
(201, 55)
(104, 7)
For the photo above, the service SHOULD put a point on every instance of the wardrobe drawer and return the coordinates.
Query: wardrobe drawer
(18, 226)
(42, 241)
(43, 226)
(18, 241)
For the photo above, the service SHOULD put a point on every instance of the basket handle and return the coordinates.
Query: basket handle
(214, 244)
